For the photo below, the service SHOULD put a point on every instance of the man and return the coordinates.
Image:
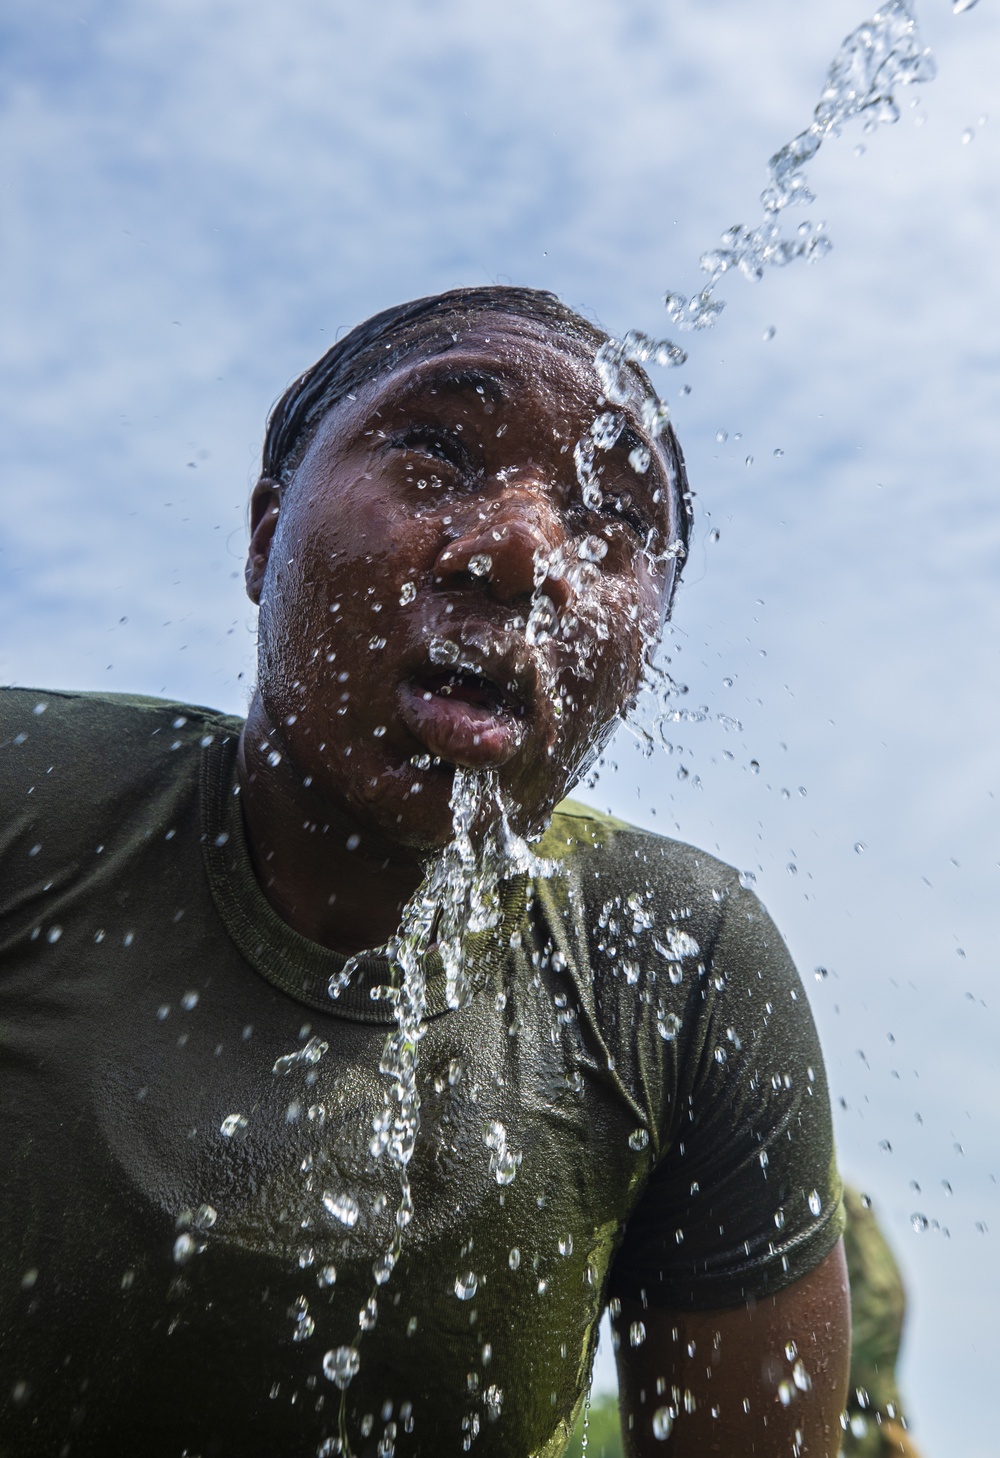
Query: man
(205, 1251)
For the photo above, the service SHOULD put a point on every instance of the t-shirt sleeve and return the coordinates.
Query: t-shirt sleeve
(745, 1198)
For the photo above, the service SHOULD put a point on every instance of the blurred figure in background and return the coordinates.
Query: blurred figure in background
(876, 1425)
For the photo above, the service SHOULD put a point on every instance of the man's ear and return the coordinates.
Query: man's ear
(264, 506)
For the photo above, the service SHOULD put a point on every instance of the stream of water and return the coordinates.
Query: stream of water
(461, 890)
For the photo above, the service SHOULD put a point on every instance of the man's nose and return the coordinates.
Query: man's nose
(511, 555)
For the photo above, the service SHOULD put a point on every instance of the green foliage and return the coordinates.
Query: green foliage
(604, 1439)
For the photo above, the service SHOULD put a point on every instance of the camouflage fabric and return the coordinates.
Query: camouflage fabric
(876, 1425)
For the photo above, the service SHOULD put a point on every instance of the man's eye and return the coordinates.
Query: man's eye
(441, 445)
(623, 510)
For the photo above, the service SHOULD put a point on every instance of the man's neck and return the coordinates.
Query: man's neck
(319, 870)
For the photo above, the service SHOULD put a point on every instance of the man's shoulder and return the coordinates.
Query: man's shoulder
(66, 756)
(47, 716)
(603, 847)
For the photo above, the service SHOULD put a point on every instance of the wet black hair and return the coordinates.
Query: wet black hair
(430, 326)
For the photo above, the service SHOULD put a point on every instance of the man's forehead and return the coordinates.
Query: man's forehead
(499, 367)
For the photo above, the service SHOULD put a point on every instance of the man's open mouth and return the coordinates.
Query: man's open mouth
(464, 716)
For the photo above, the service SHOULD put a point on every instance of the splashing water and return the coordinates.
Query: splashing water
(459, 895)
(875, 61)
(460, 891)
(878, 58)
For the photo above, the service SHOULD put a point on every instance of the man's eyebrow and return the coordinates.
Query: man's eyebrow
(451, 381)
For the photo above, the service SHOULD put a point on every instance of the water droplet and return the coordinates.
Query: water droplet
(408, 593)
(919, 1222)
(379, 731)
(326, 1276)
(636, 1334)
(493, 1402)
(514, 1259)
(639, 459)
(481, 564)
(721, 436)
(304, 1323)
(340, 1366)
(663, 1424)
(466, 1286)
(815, 1203)
(342, 1207)
(185, 1246)
(311, 1053)
(565, 1245)
(801, 1377)
(638, 1139)
(748, 880)
(53, 934)
(233, 1125)
(859, 847)
(668, 1026)
(189, 1001)
(769, 333)
(959, 7)
(504, 1161)
(786, 1393)
(592, 549)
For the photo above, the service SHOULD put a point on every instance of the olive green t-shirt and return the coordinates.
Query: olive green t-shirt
(173, 1210)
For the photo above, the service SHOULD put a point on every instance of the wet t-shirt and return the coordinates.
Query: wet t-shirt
(632, 1102)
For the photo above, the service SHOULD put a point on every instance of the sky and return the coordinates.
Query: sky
(199, 195)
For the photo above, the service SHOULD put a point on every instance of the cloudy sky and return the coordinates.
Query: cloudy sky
(198, 194)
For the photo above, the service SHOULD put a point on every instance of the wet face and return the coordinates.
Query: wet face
(435, 589)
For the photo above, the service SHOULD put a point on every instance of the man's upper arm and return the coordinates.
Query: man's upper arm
(745, 1198)
(767, 1378)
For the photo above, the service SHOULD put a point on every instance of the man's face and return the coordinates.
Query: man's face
(439, 593)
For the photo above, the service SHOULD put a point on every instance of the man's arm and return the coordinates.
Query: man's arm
(768, 1380)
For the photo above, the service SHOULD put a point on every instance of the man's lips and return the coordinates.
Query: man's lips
(462, 717)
